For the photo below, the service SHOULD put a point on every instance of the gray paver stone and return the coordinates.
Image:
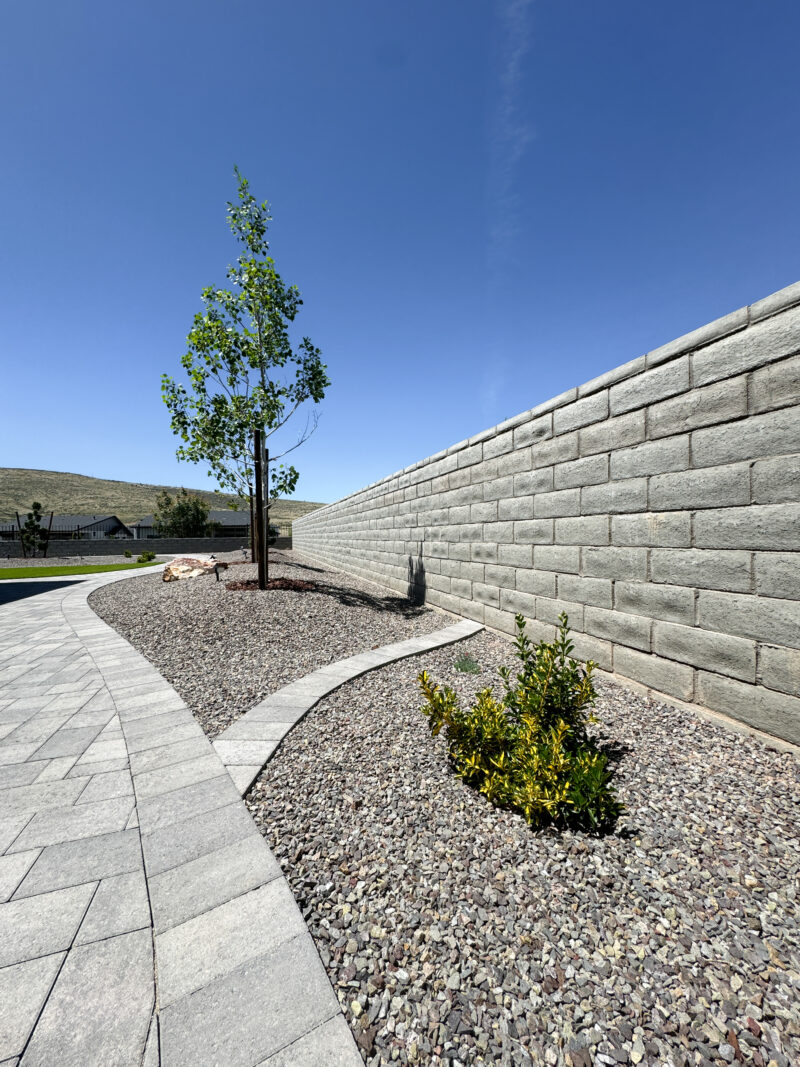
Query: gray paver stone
(83, 769)
(166, 755)
(107, 786)
(101, 751)
(23, 989)
(211, 945)
(208, 881)
(67, 742)
(244, 775)
(233, 752)
(74, 862)
(176, 733)
(13, 753)
(99, 1011)
(11, 826)
(119, 906)
(177, 775)
(155, 812)
(74, 823)
(13, 868)
(253, 1012)
(31, 928)
(35, 797)
(247, 729)
(152, 1055)
(56, 769)
(181, 842)
(331, 1044)
(19, 774)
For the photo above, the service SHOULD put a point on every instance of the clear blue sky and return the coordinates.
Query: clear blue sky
(483, 204)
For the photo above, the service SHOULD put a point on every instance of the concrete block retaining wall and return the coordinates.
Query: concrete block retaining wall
(658, 505)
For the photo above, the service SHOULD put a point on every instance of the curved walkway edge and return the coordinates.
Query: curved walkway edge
(143, 919)
(247, 745)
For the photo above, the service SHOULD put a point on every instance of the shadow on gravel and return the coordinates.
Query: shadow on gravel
(353, 598)
(302, 566)
(17, 590)
(613, 751)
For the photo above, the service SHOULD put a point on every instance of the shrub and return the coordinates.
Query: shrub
(127, 553)
(468, 664)
(530, 751)
(146, 556)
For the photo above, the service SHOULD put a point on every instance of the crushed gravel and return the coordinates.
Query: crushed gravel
(453, 934)
(225, 650)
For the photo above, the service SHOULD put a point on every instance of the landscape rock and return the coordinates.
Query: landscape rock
(191, 568)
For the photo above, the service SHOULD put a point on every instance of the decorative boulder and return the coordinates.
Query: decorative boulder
(191, 568)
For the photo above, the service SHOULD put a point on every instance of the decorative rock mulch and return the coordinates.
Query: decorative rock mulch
(453, 934)
(225, 651)
(250, 585)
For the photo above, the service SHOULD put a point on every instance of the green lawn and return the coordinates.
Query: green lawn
(52, 572)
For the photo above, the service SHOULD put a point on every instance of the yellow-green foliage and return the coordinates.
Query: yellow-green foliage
(530, 750)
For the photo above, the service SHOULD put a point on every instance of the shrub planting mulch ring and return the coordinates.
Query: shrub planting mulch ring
(294, 584)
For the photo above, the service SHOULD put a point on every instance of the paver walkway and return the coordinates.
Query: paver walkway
(143, 919)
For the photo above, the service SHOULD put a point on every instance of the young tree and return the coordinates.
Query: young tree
(185, 516)
(243, 372)
(32, 534)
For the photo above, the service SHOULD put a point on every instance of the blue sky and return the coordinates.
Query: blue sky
(483, 204)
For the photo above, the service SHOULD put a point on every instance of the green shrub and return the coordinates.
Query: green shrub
(127, 553)
(146, 556)
(468, 664)
(530, 751)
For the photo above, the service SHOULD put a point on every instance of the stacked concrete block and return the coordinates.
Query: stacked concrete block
(657, 505)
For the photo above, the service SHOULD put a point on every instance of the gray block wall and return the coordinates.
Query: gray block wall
(658, 505)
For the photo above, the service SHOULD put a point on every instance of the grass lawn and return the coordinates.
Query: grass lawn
(85, 568)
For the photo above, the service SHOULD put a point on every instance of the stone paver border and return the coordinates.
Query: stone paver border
(248, 744)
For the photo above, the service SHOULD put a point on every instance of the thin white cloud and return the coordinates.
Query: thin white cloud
(511, 133)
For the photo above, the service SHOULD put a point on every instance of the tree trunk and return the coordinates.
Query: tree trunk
(261, 539)
(267, 521)
(252, 530)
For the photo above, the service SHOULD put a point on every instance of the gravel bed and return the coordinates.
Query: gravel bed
(224, 651)
(453, 934)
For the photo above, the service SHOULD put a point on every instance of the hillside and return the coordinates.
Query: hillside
(77, 494)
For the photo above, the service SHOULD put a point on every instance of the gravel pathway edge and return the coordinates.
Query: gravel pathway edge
(247, 745)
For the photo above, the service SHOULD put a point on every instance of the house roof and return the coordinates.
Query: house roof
(66, 522)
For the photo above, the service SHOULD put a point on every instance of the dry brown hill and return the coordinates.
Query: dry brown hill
(77, 494)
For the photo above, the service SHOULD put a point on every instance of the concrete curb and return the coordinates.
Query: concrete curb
(247, 745)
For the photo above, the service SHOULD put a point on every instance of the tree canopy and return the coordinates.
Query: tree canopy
(243, 371)
(185, 516)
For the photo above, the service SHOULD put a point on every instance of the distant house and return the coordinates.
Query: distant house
(230, 523)
(64, 527)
